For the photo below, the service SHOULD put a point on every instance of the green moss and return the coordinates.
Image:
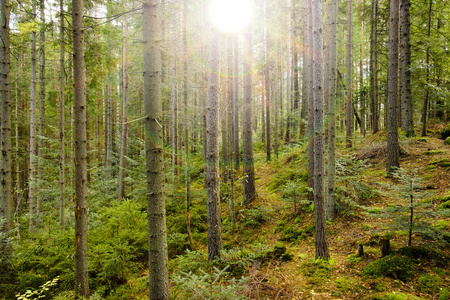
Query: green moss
(354, 258)
(393, 266)
(429, 283)
(434, 152)
(444, 294)
(447, 141)
(442, 224)
(395, 296)
(445, 204)
(422, 139)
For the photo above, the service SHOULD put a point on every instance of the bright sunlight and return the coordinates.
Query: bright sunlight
(230, 15)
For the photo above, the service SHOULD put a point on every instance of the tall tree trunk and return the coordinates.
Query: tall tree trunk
(308, 89)
(5, 133)
(349, 118)
(391, 113)
(249, 193)
(32, 147)
(288, 73)
(374, 68)
(186, 129)
(267, 86)
(123, 136)
(40, 147)
(174, 100)
(236, 102)
(331, 174)
(427, 79)
(156, 212)
(405, 68)
(61, 116)
(212, 152)
(362, 93)
(79, 75)
(319, 134)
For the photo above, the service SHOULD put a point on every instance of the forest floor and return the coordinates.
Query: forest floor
(368, 213)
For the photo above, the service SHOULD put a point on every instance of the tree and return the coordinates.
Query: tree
(236, 102)
(32, 147)
(319, 133)
(41, 126)
(331, 174)
(427, 78)
(349, 118)
(5, 133)
(249, 194)
(374, 67)
(391, 113)
(61, 115)
(405, 68)
(156, 210)
(212, 153)
(308, 91)
(267, 84)
(123, 136)
(79, 84)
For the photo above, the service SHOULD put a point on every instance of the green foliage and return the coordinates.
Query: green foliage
(434, 152)
(444, 294)
(429, 283)
(445, 205)
(255, 217)
(350, 190)
(447, 141)
(209, 286)
(295, 192)
(394, 266)
(318, 271)
(39, 293)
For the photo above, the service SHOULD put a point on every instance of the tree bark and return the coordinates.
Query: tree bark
(267, 86)
(391, 113)
(79, 74)
(212, 153)
(308, 89)
(249, 193)
(156, 212)
(331, 175)
(405, 68)
(236, 102)
(427, 79)
(5, 130)
(374, 68)
(349, 117)
(123, 136)
(40, 147)
(32, 147)
(319, 134)
(61, 116)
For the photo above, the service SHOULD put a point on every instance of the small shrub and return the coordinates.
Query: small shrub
(257, 216)
(396, 267)
(429, 283)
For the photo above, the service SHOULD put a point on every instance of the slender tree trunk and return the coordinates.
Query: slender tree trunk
(427, 79)
(288, 73)
(349, 119)
(61, 116)
(308, 96)
(156, 212)
(362, 93)
(267, 87)
(79, 74)
(236, 102)
(40, 146)
(374, 68)
(32, 147)
(174, 100)
(391, 113)
(319, 134)
(331, 198)
(249, 193)
(5, 133)
(212, 153)
(123, 137)
(405, 68)
(186, 129)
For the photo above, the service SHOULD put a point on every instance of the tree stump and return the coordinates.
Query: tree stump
(385, 247)
(360, 250)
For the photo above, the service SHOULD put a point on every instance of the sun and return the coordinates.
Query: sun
(230, 15)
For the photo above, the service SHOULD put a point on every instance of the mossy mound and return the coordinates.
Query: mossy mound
(397, 267)
(447, 141)
(445, 132)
